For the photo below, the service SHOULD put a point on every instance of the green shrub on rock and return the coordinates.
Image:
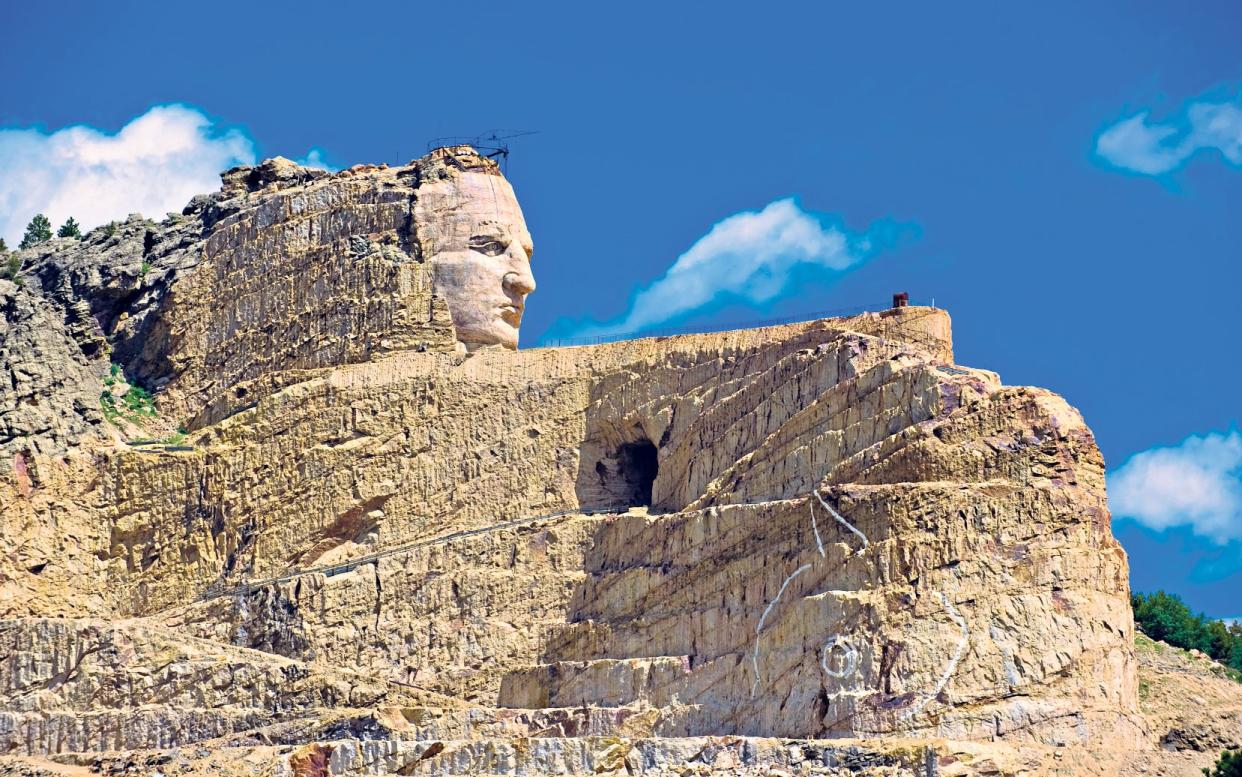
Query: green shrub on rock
(12, 268)
(1229, 765)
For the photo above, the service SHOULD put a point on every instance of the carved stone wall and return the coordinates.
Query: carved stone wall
(374, 547)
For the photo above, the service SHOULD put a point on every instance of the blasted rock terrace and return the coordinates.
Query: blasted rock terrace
(388, 542)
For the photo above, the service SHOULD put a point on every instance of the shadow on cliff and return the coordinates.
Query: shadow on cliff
(617, 476)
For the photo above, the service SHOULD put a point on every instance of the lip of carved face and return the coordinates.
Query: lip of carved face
(511, 313)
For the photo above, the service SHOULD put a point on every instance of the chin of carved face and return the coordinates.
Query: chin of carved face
(486, 295)
(482, 267)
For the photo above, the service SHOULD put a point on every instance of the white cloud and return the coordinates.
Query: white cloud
(1197, 483)
(1154, 149)
(153, 165)
(750, 256)
(315, 158)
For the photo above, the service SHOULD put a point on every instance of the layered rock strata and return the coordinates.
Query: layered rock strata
(462, 558)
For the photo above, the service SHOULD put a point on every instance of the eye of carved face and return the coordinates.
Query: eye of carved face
(488, 244)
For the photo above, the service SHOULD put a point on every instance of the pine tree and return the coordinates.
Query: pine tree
(4, 247)
(1166, 617)
(1221, 641)
(39, 230)
(1229, 765)
(1235, 658)
(70, 229)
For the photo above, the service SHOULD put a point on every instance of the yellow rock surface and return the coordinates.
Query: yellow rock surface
(812, 548)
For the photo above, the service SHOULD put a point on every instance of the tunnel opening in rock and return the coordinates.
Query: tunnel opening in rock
(626, 477)
(638, 465)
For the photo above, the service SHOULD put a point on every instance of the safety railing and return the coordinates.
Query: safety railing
(724, 326)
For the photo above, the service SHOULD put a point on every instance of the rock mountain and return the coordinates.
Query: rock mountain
(280, 496)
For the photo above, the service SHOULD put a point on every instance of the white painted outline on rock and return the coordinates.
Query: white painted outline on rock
(840, 520)
(754, 659)
(849, 653)
(949, 668)
(815, 528)
(849, 657)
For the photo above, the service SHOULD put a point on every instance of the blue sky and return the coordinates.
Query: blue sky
(949, 150)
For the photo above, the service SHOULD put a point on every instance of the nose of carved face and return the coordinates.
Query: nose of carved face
(519, 283)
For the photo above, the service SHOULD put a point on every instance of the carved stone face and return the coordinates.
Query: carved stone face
(472, 230)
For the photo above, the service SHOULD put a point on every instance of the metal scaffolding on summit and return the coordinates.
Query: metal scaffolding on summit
(492, 144)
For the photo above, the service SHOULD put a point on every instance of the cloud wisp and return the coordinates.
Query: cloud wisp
(753, 257)
(1197, 483)
(1155, 148)
(315, 158)
(153, 165)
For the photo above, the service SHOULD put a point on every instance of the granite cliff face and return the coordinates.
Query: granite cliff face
(384, 541)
